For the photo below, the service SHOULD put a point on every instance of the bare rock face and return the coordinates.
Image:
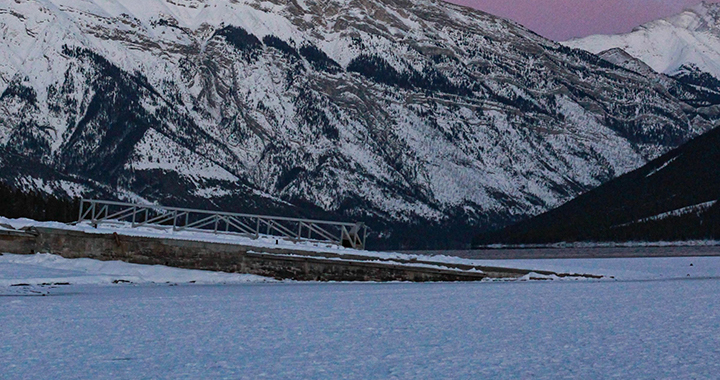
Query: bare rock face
(621, 58)
(425, 119)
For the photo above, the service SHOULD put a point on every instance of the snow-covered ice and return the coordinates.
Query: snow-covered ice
(664, 326)
(623, 269)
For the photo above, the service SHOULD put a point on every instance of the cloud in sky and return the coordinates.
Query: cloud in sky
(565, 19)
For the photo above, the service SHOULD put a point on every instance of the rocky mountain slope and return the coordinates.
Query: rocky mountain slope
(672, 198)
(685, 44)
(425, 119)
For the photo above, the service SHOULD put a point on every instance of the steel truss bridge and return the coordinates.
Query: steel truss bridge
(352, 235)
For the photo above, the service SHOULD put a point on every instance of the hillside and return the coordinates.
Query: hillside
(672, 198)
(424, 119)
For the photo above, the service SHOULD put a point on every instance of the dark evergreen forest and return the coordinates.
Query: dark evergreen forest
(15, 203)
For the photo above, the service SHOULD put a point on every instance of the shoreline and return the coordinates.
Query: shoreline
(596, 252)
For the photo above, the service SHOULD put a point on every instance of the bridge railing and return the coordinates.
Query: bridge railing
(351, 235)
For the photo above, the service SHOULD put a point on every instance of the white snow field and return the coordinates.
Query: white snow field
(46, 270)
(658, 319)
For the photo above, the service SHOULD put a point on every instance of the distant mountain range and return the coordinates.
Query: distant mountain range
(686, 44)
(427, 120)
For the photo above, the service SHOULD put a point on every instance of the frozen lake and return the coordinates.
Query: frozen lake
(654, 321)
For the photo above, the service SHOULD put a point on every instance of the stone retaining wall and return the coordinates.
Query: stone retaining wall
(276, 263)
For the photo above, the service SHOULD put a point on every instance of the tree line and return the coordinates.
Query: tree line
(16, 203)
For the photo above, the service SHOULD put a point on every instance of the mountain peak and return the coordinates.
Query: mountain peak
(701, 17)
(666, 45)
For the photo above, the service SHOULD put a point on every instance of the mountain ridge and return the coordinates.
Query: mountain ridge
(688, 41)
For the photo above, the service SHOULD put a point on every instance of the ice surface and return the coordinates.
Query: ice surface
(663, 328)
(625, 269)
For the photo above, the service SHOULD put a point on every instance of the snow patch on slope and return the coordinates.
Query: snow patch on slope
(678, 212)
(157, 151)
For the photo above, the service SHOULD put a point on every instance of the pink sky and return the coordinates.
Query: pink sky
(564, 19)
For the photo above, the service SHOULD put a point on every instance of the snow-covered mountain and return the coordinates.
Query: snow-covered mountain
(398, 112)
(689, 41)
